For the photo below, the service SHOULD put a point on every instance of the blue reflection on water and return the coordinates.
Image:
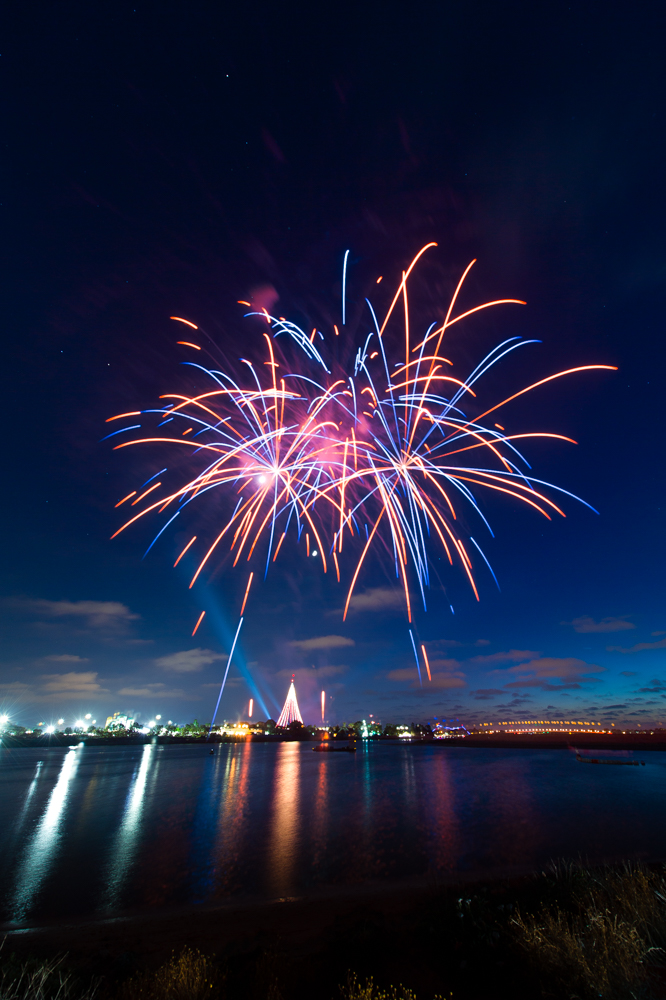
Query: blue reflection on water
(42, 847)
(124, 844)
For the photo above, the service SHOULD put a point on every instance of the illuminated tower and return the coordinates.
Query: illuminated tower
(290, 711)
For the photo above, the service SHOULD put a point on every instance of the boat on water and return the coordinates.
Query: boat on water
(611, 760)
(327, 748)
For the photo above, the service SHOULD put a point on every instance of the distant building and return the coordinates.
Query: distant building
(118, 721)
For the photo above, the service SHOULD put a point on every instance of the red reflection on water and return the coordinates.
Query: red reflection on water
(442, 825)
(284, 826)
(233, 817)
(517, 832)
(319, 830)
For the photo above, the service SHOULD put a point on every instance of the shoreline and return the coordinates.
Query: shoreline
(554, 741)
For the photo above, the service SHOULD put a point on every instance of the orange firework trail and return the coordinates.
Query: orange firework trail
(386, 450)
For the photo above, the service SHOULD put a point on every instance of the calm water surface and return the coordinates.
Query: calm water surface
(99, 831)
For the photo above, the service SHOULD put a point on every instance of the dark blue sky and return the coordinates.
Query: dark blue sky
(170, 159)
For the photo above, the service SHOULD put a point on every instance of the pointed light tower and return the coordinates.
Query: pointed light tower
(290, 711)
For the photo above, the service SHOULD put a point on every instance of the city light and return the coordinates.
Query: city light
(50, 729)
(4, 719)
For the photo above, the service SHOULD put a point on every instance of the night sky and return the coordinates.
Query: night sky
(170, 159)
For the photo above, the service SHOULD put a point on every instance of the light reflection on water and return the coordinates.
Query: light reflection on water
(115, 829)
(42, 846)
(124, 843)
(284, 837)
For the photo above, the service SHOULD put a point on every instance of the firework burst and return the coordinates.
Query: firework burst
(385, 453)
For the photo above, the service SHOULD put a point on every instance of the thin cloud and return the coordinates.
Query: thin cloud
(150, 691)
(72, 683)
(322, 642)
(15, 687)
(656, 687)
(638, 648)
(439, 680)
(66, 658)
(485, 694)
(331, 671)
(403, 674)
(510, 656)
(516, 702)
(189, 661)
(377, 599)
(587, 624)
(627, 673)
(96, 614)
(444, 681)
(310, 673)
(569, 672)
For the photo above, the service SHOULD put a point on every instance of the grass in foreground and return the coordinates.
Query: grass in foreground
(602, 935)
(570, 932)
(41, 981)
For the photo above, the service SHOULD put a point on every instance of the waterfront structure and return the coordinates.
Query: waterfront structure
(290, 711)
(120, 721)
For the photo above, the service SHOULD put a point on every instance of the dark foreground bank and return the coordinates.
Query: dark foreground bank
(569, 931)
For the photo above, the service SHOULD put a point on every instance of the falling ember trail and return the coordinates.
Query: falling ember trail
(179, 319)
(425, 660)
(250, 707)
(247, 591)
(199, 621)
(191, 541)
(323, 706)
